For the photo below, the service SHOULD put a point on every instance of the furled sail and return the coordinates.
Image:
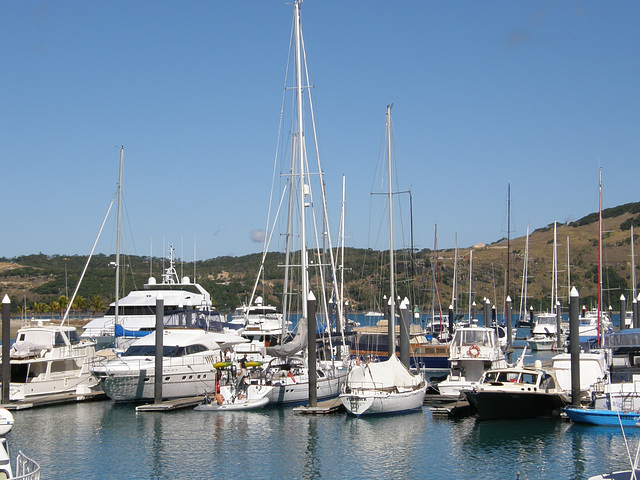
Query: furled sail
(298, 343)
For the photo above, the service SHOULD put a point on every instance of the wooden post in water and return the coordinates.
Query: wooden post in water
(558, 326)
(6, 348)
(610, 315)
(346, 316)
(391, 327)
(405, 313)
(338, 314)
(574, 345)
(623, 312)
(509, 330)
(311, 347)
(485, 319)
(157, 383)
(531, 319)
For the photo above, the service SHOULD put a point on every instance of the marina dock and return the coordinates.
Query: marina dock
(171, 405)
(48, 400)
(333, 405)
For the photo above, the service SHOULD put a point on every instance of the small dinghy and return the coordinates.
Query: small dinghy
(236, 405)
(241, 396)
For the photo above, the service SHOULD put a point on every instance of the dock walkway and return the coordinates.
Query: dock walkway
(57, 399)
(333, 405)
(172, 404)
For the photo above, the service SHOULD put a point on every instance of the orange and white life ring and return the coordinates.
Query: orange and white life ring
(474, 351)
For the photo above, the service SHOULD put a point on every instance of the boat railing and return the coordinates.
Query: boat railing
(102, 362)
(26, 469)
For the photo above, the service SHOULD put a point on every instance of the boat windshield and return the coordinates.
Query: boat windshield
(546, 320)
(474, 336)
(74, 338)
(167, 350)
(511, 377)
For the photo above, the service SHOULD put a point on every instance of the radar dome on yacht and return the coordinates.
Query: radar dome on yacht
(6, 421)
(152, 281)
(537, 364)
(186, 280)
(259, 300)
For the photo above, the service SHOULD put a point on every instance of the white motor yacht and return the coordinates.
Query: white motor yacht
(472, 351)
(262, 326)
(589, 322)
(136, 312)
(188, 368)
(50, 359)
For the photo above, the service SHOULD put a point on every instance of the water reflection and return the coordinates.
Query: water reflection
(107, 440)
(386, 446)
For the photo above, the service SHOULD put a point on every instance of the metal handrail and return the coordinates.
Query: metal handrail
(26, 469)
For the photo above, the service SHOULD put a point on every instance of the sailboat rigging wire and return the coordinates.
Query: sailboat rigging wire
(73, 297)
(266, 247)
(322, 187)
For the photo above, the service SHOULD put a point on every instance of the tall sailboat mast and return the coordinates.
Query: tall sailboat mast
(342, 233)
(304, 268)
(554, 277)
(525, 274)
(119, 218)
(568, 272)
(392, 294)
(454, 290)
(633, 265)
(508, 246)
(599, 251)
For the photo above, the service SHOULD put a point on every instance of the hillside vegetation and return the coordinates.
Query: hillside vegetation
(44, 283)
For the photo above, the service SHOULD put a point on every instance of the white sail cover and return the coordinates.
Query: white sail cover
(298, 343)
(382, 375)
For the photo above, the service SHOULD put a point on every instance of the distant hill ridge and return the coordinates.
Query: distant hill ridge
(40, 279)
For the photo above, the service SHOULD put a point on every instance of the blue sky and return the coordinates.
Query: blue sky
(538, 93)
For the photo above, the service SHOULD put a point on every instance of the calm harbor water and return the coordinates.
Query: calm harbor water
(107, 440)
(104, 440)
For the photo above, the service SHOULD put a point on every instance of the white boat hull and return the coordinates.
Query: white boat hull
(541, 345)
(376, 402)
(140, 386)
(239, 405)
(41, 366)
(70, 382)
(298, 392)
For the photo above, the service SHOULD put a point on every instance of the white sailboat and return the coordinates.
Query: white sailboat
(384, 387)
(544, 335)
(287, 367)
(595, 322)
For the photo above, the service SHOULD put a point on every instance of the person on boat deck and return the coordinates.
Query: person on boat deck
(227, 355)
(243, 364)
